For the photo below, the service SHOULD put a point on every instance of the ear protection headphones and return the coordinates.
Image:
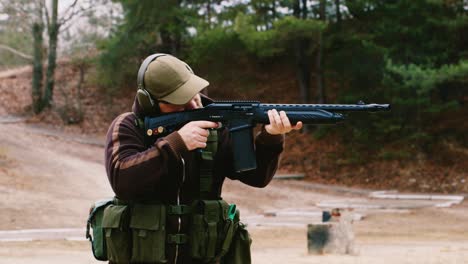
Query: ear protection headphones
(145, 99)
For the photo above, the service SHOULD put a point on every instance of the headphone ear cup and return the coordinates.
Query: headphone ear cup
(145, 100)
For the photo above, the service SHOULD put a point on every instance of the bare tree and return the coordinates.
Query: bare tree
(54, 26)
(43, 19)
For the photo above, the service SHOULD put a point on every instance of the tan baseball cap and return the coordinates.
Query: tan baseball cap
(171, 80)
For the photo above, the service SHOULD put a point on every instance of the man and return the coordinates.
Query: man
(167, 171)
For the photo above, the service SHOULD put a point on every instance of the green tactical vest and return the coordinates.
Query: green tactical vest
(128, 232)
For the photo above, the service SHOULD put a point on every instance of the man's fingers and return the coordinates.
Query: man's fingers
(298, 126)
(201, 138)
(285, 120)
(278, 121)
(202, 132)
(271, 118)
(205, 124)
(195, 134)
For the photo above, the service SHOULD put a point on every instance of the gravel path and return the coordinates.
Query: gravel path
(48, 180)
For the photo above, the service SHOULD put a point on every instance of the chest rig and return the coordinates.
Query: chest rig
(135, 231)
(213, 223)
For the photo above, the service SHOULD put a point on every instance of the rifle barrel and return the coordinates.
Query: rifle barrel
(328, 107)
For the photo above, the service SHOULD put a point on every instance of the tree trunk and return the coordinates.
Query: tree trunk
(297, 8)
(338, 12)
(303, 70)
(208, 13)
(36, 92)
(304, 9)
(273, 11)
(318, 60)
(53, 31)
(321, 99)
(302, 63)
(165, 40)
(175, 43)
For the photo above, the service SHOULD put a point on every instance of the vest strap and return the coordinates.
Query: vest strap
(179, 209)
(177, 239)
(212, 216)
(206, 165)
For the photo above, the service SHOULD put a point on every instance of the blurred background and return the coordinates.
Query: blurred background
(411, 54)
(70, 67)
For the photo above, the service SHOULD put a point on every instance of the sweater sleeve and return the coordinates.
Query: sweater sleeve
(135, 171)
(268, 149)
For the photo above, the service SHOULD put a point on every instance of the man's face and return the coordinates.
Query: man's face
(194, 103)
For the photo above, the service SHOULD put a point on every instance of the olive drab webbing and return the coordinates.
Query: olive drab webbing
(216, 233)
(207, 164)
(135, 232)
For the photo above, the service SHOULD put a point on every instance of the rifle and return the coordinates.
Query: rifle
(241, 116)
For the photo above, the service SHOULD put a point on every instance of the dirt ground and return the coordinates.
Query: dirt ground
(49, 178)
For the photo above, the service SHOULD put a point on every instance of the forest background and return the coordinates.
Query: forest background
(411, 54)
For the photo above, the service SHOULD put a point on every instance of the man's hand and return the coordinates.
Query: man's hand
(195, 133)
(279, 123)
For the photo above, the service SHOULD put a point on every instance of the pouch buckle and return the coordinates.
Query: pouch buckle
(177, 239)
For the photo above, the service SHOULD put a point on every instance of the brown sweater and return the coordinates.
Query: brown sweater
(138, 172)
